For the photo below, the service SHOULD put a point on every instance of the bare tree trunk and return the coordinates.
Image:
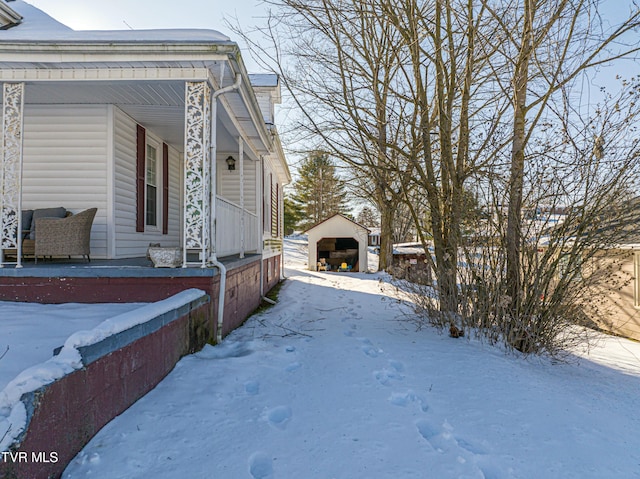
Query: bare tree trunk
(386, 237)
(516, 181)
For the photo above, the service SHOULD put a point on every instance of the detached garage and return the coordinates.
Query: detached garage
(338, 244)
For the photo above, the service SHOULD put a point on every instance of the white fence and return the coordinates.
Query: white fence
(229, 238)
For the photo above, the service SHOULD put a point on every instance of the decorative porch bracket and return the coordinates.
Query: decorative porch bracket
(197, 181)
(11, 170)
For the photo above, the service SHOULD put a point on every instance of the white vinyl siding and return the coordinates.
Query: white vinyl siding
(228, 184)
(65, 162)
(175, 198)
(266, 107)
(129, 243)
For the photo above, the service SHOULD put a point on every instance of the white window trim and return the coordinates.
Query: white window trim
(155, 144)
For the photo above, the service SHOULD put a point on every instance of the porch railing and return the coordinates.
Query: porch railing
(229, 229)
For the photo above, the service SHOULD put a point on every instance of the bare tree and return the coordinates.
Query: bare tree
(450, 93)
(549, 44)
(339, 61)
(431, 103)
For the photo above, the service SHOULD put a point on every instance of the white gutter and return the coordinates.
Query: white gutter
(242, 219)
(213, 146)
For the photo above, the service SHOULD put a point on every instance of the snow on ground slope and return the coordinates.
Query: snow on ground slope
(30, 331)
(331, 383)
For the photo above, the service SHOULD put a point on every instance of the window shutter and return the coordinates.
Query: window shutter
(278, 210)
(274, 207)
(264, 201)
(165, 189)
(141, 141)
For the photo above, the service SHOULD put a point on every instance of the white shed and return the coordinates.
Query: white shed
(338, 244)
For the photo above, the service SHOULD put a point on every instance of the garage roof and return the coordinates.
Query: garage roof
(333, 216)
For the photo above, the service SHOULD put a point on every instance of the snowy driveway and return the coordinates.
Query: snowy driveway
(331, 383)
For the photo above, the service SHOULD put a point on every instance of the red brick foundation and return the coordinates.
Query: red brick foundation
(67, 413)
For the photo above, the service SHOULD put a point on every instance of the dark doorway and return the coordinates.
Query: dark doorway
(338, 254)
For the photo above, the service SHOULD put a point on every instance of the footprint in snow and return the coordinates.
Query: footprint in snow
(260, 466)
(293, 367)
(439, 438)
(472, 447)
(368, 348)
(370, 351)
(426, 429)
(385, 376)
(442, 439)
(279, 416)
(406, 398)
(252, 388)
(397, 365)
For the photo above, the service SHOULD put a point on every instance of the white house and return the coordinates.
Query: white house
(163, 131)
(338, 242)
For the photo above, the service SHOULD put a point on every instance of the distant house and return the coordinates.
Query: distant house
(374, 236)
(338, 244)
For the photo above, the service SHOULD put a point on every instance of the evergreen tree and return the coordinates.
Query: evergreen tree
(319, 191)
(292, 215)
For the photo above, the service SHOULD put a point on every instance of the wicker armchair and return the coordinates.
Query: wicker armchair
(64, 236)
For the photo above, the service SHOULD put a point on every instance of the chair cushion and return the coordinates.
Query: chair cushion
(59, 212)
(26, 219)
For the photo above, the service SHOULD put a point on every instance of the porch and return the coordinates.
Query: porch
(124, 280)
(189, 175)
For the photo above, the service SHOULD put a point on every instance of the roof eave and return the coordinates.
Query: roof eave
(8, 17)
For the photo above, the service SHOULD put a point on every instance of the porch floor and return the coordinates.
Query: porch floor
(115, 268)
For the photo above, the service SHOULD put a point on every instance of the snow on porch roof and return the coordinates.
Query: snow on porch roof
(264, 79)
(37, 26)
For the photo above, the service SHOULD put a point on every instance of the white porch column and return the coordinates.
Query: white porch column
(11, 170)
(197, 170)
(260, 202)
(242, 218)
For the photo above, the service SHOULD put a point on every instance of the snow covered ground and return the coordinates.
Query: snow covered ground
(30, 331)
(332, 383)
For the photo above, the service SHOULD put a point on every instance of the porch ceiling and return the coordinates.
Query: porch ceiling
(157, 105)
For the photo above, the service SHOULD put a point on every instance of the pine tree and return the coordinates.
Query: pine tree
(292, 215)
(319, 191)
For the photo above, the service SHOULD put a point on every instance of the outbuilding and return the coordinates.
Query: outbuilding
(410, 262)
(338, 244)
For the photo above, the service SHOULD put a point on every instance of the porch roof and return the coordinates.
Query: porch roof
(36, 25)
(143, 72)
